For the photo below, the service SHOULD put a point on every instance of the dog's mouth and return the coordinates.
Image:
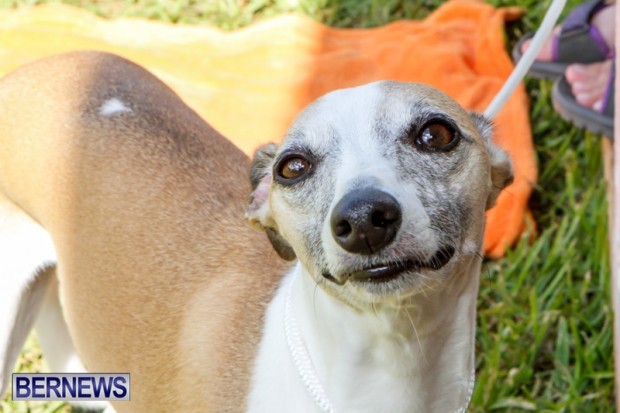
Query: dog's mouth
(383, 273)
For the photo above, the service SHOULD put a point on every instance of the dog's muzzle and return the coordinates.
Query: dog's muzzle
(381, 273)
(365, 221)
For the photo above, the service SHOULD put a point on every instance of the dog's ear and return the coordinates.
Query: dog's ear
(501, 166)
(258, 212)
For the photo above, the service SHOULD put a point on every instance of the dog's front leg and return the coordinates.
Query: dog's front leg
(26, 265)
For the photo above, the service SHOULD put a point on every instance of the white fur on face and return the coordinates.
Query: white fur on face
(364, 137)
(363, 165)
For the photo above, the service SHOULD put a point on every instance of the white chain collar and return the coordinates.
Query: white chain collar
(305, 369)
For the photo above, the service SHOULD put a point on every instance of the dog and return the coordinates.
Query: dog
(123, 242)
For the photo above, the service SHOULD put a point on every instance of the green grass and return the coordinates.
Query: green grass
(544, 339)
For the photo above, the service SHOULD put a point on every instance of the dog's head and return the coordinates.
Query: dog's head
(379, 189)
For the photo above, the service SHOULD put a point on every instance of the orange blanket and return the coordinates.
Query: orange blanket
(249, 84)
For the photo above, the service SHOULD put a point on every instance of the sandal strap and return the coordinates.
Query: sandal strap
(578, 40)
(608, 98)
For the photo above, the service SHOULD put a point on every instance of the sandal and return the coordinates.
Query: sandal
(577, 42)
(598, 122)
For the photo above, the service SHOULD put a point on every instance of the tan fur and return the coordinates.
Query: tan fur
(145, 209)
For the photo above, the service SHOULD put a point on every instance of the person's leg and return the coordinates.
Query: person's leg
(614, 203)
(617, 132)
(617, 107)
(603, 21)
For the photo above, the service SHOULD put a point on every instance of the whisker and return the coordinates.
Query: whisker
(415, 331)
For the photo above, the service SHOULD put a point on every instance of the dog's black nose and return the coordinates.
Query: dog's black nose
(365, 220)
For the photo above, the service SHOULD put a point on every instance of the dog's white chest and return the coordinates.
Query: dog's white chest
(359, 374)
(275, 385)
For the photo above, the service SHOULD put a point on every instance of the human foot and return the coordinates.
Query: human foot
(589, 83)
(585, 96)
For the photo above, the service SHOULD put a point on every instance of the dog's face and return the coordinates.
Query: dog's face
(379, 190)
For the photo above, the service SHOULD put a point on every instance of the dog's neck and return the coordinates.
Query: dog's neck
(420, 353)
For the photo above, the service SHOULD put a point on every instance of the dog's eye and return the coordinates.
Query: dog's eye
(436, 136)
(292, 168)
